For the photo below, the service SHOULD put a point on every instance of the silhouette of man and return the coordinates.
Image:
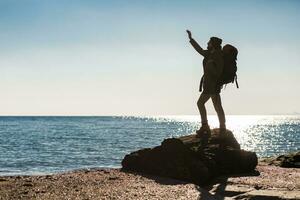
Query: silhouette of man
(212, 69)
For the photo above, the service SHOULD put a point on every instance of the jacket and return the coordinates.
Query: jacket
(213, 64)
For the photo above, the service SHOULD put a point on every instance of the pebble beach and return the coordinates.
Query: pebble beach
(272, 182)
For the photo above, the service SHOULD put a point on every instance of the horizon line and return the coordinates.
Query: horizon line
(154, 115)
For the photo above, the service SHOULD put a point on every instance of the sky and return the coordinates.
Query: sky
(88, 57)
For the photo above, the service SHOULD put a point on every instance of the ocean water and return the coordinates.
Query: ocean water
(46, 145)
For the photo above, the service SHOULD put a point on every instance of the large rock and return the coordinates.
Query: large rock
(193, 159)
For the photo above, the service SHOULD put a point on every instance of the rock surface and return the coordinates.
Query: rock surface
(193, 159)
(272, 182)
(290, 160)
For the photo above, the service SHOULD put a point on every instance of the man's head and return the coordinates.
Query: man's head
(214, 43)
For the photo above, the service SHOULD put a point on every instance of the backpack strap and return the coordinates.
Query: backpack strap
(201, 84)
(236, 82)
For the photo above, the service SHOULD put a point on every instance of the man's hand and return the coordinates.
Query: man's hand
(189, 34)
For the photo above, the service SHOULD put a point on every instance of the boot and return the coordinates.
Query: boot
(204, 130)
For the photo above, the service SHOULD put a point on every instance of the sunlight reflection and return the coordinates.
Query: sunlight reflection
(261, 133)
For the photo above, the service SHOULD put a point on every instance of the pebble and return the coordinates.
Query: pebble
(257, 187)
(28, 184)
(113, 178)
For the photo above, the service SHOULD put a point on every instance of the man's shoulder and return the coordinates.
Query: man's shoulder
(206, 52)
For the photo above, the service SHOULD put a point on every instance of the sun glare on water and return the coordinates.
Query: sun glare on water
(259, 133)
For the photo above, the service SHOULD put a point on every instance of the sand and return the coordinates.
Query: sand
(272, 181)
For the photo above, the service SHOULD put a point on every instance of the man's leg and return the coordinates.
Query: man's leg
(216, 99)
(200, 103)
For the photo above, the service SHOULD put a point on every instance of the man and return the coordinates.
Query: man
(212, 69)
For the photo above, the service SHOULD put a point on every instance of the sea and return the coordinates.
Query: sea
(47, 145)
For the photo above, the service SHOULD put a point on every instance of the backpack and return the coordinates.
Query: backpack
(229, 70)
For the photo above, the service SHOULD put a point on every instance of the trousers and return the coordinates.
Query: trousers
(216, 99)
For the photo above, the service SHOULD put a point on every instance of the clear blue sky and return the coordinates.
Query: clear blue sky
(61, 57)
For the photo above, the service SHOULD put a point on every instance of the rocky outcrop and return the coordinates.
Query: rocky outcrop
(193, 159)
(289, 160)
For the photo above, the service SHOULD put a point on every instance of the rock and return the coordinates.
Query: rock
(193, 159)
(269, 195)
(171, 159)
(289, 160)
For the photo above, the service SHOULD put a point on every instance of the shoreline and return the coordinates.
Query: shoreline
(108, 183)
(262, 159)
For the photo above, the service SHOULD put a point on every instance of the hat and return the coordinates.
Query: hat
(216, 41)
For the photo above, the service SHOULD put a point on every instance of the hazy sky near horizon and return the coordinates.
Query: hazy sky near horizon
(60, 57)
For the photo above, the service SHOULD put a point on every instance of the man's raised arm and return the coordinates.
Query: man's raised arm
(195, 44)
